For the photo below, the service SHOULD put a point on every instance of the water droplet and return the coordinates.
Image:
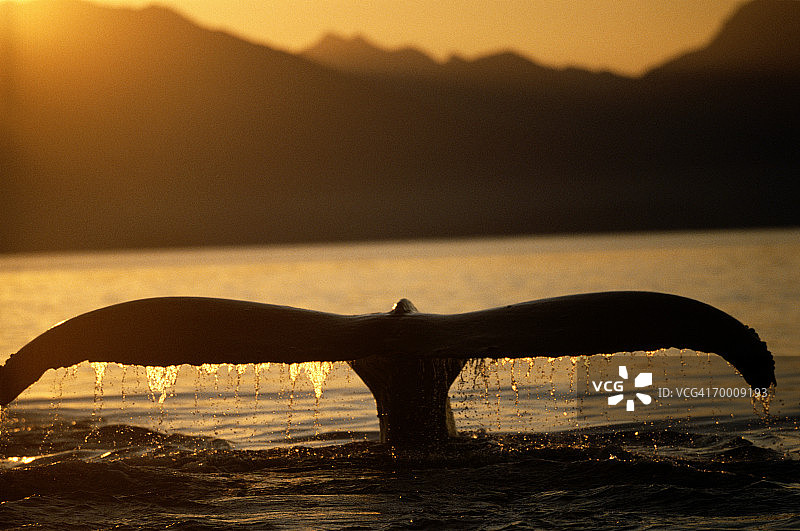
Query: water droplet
(258, 368)
(160, 379)
(99, 371)
(317, 372)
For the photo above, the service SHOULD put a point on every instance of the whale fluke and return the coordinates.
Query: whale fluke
(194, 330)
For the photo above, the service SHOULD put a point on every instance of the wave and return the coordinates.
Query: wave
(82, 474)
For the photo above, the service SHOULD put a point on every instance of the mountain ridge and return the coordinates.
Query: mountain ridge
(358, 54)
(138, 128)
(731, 49)
(761, 37)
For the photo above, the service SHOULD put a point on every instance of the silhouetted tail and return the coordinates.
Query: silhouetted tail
(191, 330)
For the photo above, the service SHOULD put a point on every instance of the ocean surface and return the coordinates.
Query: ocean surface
(295, 447)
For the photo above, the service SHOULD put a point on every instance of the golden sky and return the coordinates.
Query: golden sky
(626, 36)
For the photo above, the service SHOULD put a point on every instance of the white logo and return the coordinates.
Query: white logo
(643, 379)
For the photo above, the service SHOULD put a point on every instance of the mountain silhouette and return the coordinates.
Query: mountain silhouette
(760, 39)
(359, 55)
(137, 128)
(506, 69)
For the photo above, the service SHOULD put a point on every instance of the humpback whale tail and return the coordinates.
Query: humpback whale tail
(407, 359)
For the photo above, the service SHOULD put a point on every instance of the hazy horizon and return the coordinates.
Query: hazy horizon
(623, 36)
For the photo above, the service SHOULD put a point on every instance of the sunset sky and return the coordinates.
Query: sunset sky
(626, 36)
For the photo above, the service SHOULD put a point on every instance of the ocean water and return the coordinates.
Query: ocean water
(288, 447)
